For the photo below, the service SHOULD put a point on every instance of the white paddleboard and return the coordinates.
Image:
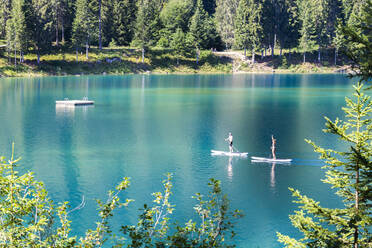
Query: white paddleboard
(260, 159)
(223, 153)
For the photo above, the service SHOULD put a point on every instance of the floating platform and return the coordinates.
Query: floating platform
(74, 102)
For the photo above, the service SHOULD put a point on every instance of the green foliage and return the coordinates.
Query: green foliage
(147, 23)
(349, 172)
(176, 14)
(30, 219)
(358, 39)
(5, 9)
(216, 221)
(16, 26)
(85, 28)
(248, 25)
(121, 22)
(179, 44)
(198, 26)
(225, 16)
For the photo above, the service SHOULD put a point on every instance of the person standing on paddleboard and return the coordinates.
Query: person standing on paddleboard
(273, 146)
(230, 140)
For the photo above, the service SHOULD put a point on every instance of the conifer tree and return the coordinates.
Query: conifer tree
(288, 24)
(39, 23)
(16, 29)
(358, 37)
(349, 172)
(308, 26)
(84, 26)
(225, 13)
(176, 14)
(248, 26)
(147, 24)
(268, 26)
(197, 34)
(179, 44)
(5, 9)
(121, 21)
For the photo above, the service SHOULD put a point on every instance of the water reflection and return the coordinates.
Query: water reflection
(65, 111)
(272, 176)
(230, 169)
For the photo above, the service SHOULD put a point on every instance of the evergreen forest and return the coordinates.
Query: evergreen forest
(186, 27)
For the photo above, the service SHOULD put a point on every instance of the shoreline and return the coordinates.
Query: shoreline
(161, 62)
(171, 73)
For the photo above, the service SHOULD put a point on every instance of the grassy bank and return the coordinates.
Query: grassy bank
(123, 60)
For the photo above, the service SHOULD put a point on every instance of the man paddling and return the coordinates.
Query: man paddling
(230, 140)
(273, 143)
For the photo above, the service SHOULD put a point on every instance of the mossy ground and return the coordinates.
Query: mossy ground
(124, 60)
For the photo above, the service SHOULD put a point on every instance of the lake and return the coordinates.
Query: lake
(143, 126)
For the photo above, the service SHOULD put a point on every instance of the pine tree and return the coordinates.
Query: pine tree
(176, 14)
(147, 24)
(225, 13)
(84, 26)
(197, 33)
(58, 13)
(39, 23)
(248, 26)
(5, 9)
(288, 24)
(17, 36)
(120, 23)
(179, 44)
(308, 26)
(358, 36)
(268, 24)
(349, 172)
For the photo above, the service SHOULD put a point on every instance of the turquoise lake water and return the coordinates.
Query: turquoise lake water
(144, 126)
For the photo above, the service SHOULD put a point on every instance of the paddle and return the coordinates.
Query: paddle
(236, 149)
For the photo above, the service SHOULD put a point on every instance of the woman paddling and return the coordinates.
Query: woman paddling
(273, 143)
(230, 140)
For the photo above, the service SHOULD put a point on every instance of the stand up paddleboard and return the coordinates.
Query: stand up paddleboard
(270, 160)
(223, 153)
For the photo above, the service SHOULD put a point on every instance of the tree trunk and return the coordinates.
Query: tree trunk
(265, 51)
(304, 57)
(100, 26)
(77, 55)
(319, 55)
(57, 41)
(280, 52)
(143, 55)
(197, 56)
(253, 54)
(262, 54)
(63, 32)
(336, 56)
(20, 56)
(356, 232)
(15, 57)
(178, 61)
(273, 47)
(245, 53)
(86, 50)
(38, 57)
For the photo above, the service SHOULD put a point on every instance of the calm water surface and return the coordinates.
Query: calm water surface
(145, 126)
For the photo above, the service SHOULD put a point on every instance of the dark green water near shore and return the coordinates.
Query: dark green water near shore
(144, 126)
